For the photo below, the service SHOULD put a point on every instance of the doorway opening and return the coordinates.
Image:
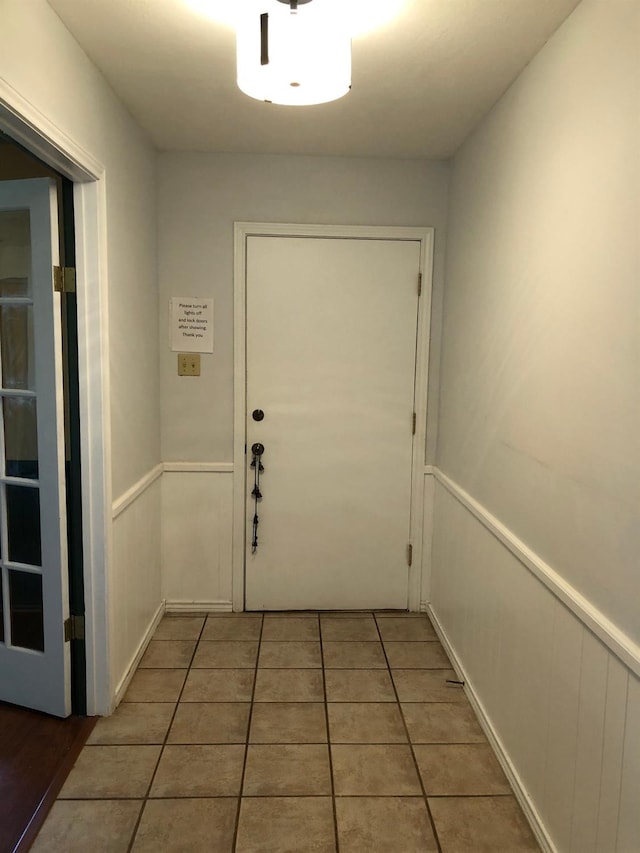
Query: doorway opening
(18, 164)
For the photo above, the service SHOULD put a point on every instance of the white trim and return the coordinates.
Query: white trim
(242, 230)
(125, 500)
(529, 809)
(429, 470)
(423, 342)
(135, 661)
(25, 123)
(198, 606)
(619, 643)
(95, 433)
(198, 467)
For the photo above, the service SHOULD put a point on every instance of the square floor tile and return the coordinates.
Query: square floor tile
(290, 654)
(76, 826)
(289, 685)
(287, 770)
(376, 771)
(428, 685)
(109, 772)
(179, 628)
(225, 654)
(286, 825)
(346, 629)
(199, 826)
(285, 628)
(288, 722)
(353, 655)
(384, 825)
(440, 722)
(416, 655)
(219, 685)
(460, 770)
(481, 825)
(359, 685)
(199, 771)
(365, 722)
(211, 722)
(134, 722)
(403, 629)
(155, 685)
(232, 628)
(168, 654)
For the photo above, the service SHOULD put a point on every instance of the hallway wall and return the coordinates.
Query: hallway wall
(537, 525)
(46, 68)
(200, 197)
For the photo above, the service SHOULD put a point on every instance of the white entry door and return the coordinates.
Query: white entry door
(34, 659)
(331, 348)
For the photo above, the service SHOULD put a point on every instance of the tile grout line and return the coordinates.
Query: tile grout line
(326, 719)
(246, 745)
(413, 755)
(145, 799)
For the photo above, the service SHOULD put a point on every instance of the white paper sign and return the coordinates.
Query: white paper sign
(191, 324)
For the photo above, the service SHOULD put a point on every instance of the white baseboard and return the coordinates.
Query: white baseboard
(198, 606)
(530, 811)
(135, 662)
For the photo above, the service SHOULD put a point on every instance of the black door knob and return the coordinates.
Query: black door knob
(257, 415)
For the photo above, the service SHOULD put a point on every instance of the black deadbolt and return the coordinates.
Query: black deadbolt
(257, 449)
(257, 415)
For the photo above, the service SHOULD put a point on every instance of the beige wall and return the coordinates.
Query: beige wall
(78, 101)
(42, 63)
(536, 578)
(200, 197)
(540, 402)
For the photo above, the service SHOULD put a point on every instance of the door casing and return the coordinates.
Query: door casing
(243, 230)
(28, 126)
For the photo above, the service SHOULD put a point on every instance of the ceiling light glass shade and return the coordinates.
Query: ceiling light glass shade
(295, 58)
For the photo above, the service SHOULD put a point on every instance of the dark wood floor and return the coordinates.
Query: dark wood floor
(36, 754)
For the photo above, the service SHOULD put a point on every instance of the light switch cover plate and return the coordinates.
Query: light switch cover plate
(188, 364)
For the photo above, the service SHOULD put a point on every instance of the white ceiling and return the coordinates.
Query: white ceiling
(420, 83)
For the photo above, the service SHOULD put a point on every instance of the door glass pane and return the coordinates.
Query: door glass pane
(15, 253)
(27, 623)
(16, 342)
(23, 524)
(20, 437)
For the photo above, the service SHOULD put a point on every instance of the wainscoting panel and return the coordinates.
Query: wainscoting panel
(560, 705)
(197, 510)
(135, 584)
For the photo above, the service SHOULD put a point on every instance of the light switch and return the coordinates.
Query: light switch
(188, 364)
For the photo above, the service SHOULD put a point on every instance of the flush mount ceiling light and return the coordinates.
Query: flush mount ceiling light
(293, 52)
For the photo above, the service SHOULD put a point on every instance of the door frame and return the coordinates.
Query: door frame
(243, 230)
(24, 122)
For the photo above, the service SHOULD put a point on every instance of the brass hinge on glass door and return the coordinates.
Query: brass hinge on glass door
(74, 628)
(64, 279)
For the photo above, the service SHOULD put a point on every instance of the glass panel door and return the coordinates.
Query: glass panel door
(34, 660)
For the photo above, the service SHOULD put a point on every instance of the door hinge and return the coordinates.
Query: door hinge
(74, 628)
(419, 284)
(64, 279)
(414, 419)
(409, 554)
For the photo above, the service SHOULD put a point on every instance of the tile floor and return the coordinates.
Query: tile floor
(298, 732)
